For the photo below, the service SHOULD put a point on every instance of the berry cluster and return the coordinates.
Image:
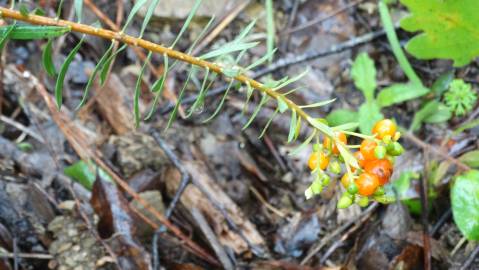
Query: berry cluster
(375, 159)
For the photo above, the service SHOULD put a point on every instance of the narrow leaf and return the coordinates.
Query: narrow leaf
(263, 101)
(220, 106)
(229, 48)
(93, 75)
(249, 94)
(157, 88)
(106, 66)
(260, 61)
(292, 80)
(282, 106)
(471, 158)
(136, 100)
(28, 32)
(292, 126)
(303, 145)
(134, 10)
(63, 72)
(187, 21)
(47, 59)
(318, 104)
(347, 126)
(180, 97)
(199, 102)
(79, 9)
(268, 123)
(6, 34)
(270, 28)
(149, 14)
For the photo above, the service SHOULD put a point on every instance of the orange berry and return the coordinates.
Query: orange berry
(367, 149)
(360, 158)
(313, 161)
(382, 168)
(328, 143)
(383, 128)
(367, 184)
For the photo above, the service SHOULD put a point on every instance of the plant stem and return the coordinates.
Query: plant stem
(150, 46)
(394, 42)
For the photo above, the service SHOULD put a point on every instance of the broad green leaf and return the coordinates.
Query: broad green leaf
(465, 204)
(442, 114)
(471, 158)
(442, 83)
(47, 59)
(341, 116)
(82, 173)
(363, 73)
(368, 114)
(448, 29)
(400, 92)
(466, 126)
(432, 112)
(28, 32)
(63, 72)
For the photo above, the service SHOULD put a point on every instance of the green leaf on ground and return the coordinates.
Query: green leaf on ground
(363, 73)
(465, 204)
(448, 29)
(342, 116)
(369, 113)
(400, 92)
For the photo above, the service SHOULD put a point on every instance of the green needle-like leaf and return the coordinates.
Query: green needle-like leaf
(136, 100)
(63, 72)
(292, 126)
(263, 101)
(180, 97)
(47, 59)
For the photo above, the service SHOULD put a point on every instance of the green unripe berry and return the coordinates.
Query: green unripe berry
(379, 191)
(334, 167)
(344, 202)
(352, 188)
(326, 180)
(387, 139)
(380, 152)
(395, 149)
(362, 201)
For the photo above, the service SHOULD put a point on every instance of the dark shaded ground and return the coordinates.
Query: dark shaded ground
(246, 207)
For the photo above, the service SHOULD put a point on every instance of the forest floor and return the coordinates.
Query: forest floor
(244, 207)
